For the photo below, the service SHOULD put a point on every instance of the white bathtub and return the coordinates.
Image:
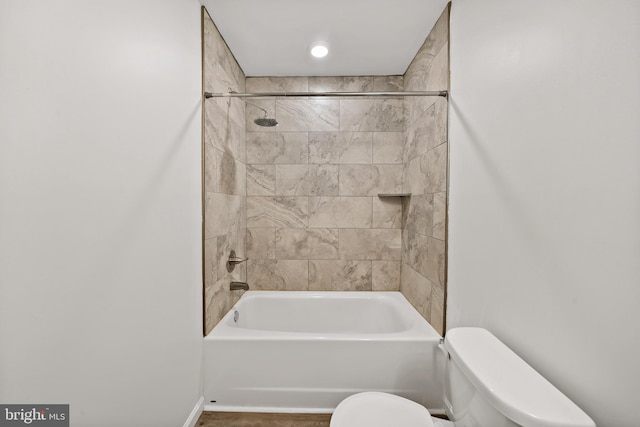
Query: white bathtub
(307, 351)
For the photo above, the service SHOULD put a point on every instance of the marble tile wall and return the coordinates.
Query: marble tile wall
(300, 199)
(314, 221)
(225, 175)
(423, 274)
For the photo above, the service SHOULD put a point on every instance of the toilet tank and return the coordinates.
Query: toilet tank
(487, 384)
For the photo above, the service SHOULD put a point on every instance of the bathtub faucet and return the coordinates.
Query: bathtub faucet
(236, 286)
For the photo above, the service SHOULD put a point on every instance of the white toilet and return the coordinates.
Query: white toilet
(486, 385)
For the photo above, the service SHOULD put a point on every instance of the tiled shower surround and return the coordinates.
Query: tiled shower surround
(423, 278)
(225, 223)
(313, 217)
(314, 221)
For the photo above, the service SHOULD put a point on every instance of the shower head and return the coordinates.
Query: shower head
(263, 121)
(266, 122)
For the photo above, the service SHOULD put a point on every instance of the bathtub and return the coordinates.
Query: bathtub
(306, 351)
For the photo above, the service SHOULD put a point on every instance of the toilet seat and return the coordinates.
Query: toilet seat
(375, 409)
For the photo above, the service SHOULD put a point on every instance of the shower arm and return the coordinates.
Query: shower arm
(207, 95)
(255, 105)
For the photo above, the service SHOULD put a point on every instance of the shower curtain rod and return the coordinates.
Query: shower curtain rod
(207, 95)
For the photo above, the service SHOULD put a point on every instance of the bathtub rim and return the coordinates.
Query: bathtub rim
(419, 328)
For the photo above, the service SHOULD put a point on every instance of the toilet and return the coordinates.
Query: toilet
(486, 385)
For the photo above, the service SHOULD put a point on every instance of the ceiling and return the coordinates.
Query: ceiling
(366, 37)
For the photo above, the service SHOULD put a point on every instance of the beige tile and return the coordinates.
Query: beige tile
(385, 275)
(223, 174)
(436, 318)
(435, 262)
(218, 53)
(261, 243)
(223, 214)
(325, 147)
(414, 178)
(225, 77)
(292, 180)
(388, 147)
(440, 31)
(356, 147)
(233, 107)
(420, 135)
(370, 180)
(416, 76)
(210, 159)
(415, 107)
(388, 83)
(439, 71)
(417, 290)
(279, 275)
(339, 275)
(277, 84)
(240, 179)
(322, 180)
(340, 212)
(216, 303)
(289, 212)
(292, 243)
(380, 115)
(313, 114)
(307, 180)
(406, 247)
(441, 120)
(222, 133)
(261, 180)
(323, 243)
(370, 244)
(415, 252)
(210, 262)
(340, 147)
(439, 215)
(386, 244)
(314, 243)
(415, 79)
(212, 43)
(387, 212)
(354, 244)
(341, 84)
(419, 214)
(277, 147)
(228, 72)
(435, 163)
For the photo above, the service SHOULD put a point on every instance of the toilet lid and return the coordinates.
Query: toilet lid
(374, 409)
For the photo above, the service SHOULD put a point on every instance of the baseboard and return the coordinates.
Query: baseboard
(268, 409)
(195, 414)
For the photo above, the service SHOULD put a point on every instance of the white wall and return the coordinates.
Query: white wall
(100, 269)
(545, 190)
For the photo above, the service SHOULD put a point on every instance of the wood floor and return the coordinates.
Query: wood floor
(252, 419)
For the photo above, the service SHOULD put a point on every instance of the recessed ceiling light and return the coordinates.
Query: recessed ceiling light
(319, 49)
